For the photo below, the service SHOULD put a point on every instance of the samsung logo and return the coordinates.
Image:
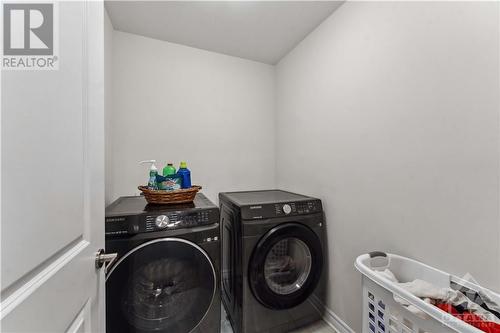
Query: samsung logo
(255, 207)
(115, 219)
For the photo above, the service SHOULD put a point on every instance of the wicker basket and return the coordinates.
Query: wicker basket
(160, 197)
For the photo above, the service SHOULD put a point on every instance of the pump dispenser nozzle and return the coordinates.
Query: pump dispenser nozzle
(153, 166)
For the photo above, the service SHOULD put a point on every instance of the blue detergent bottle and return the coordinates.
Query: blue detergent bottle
(185, 175)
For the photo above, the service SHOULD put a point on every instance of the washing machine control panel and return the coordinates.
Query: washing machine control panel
(131, 215)
(126, 225)
(176, 220)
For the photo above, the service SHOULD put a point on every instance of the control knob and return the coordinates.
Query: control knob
(287, 209)
(162, 221)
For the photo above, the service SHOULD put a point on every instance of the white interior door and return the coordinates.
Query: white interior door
(52, 147)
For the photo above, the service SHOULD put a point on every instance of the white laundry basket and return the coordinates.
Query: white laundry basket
(382, 314)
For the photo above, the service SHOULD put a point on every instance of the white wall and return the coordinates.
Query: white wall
(389, 112)
(173, 103)
(108, 105)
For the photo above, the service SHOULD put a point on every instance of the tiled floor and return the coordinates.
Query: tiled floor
(318, 327)
(225, 326)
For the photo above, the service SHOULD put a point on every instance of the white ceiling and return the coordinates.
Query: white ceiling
(264, 31)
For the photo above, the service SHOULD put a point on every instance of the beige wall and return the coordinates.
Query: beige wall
(173, 103)
(389, 112)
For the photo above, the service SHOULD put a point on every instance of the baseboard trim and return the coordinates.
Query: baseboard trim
(330, 317)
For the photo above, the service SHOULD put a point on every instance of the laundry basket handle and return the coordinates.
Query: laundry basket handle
(377, 254)
(379, 260)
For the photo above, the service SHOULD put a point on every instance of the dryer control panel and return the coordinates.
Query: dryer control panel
(281, 209)
(306, 207)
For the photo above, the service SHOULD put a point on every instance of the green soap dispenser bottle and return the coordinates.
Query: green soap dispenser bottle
(169, 169)
(153, 171)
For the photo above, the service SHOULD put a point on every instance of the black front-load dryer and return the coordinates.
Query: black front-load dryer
(272, 260)
(166, 277)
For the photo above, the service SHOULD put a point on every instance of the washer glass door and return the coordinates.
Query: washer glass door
(165, 285)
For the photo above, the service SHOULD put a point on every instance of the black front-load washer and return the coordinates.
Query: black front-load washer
(166, 277)
(272, 260)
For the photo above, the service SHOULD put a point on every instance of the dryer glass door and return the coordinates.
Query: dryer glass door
(165, 285)
(285, 266)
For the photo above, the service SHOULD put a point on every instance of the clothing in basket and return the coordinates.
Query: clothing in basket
(470, 318)
(479, 297)
(432, 294)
